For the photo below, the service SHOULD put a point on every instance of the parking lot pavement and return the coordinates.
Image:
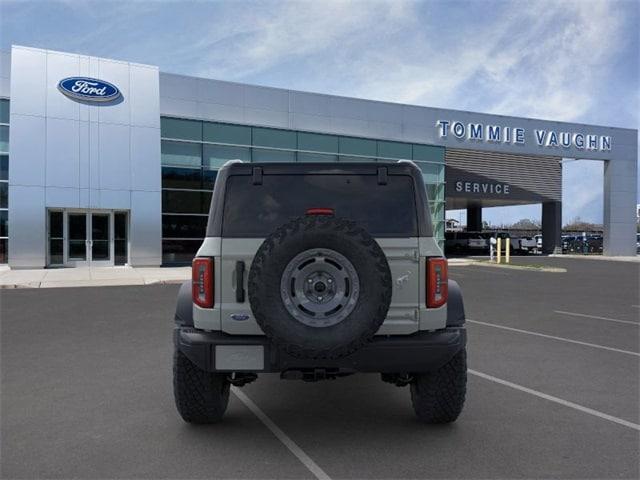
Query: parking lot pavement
(86, 391)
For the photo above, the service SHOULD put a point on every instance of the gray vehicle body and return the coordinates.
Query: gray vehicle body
(228, 338)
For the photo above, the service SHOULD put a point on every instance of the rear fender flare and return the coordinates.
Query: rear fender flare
(184, 306)
(455, 305)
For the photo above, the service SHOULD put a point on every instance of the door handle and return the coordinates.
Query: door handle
(240, 281)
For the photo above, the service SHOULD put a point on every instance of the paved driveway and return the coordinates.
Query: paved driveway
(553, 393)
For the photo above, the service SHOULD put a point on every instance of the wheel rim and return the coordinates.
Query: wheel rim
(320, 287)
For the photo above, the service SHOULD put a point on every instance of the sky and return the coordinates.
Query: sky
(558, 60)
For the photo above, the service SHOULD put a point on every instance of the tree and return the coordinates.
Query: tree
(526, 224)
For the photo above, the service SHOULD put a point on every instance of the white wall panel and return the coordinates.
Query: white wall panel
(115, 154)
(94, 155)
(179, 87)
(223, 93)
(63, 153)
(303, 121)
(118, 74)
(28, 81)
(28, 227)
(271, 118)
(115, 199)
(84, 147)
(59, 66)
(62, 197)
(310, 103)
(146, 228)
(27, 142)
(144, 97)
(265, 98)
(145, 155)
(223, 113)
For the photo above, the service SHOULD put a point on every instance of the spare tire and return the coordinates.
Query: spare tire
(320, 287)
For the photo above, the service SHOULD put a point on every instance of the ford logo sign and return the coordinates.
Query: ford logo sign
(89, 89)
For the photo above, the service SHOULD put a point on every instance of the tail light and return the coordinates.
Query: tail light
(319, 211)
(202, 282)
(437, 282)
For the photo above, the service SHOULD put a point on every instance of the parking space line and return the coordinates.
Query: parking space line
(280, 435)
(562, 339)
(560, 401)
(596, 317)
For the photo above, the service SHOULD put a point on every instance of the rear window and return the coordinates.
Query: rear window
(257, 210)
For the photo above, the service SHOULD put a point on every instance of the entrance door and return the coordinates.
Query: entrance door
(100, 242)
(87, 238)
(77, 240)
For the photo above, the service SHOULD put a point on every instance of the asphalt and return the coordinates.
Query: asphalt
(86, 390)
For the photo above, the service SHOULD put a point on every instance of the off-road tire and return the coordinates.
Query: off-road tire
(201, 397)
(348, 239)
(438, 397)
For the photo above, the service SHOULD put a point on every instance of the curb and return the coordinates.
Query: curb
(520, 267)
(89, 284)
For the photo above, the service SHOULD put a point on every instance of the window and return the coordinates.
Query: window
(4, 139)
(317, 142)
(224, 133)
(175, 177)
(182, 129)
(394, 150)
(209, 179)
(215, 156)
(120, 244)
(358, 146)
(185, 201)
(4, 167)
(346, 158)
(180, 153)
(428, 153)
(431, 172)
(384, 210)
(184, 226)
(271, 137)
(4, 195)
(316, 157)
(4, 220)
(262, 155)
(4, 111)
(179, 251)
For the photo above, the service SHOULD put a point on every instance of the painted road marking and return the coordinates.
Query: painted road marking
(562, 339)
(560, 401)
(283, 437)
(596, 317)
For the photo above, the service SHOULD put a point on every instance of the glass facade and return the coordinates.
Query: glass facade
(4, 180)
(193, 151)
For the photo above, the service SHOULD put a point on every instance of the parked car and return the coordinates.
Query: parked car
(466, 242)
(305, 271)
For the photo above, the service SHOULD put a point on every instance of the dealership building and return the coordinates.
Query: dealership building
(107, 162)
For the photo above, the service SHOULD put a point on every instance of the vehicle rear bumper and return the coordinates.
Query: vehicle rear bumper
(419, 352)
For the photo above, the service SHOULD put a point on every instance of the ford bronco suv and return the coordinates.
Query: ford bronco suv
(318, 271)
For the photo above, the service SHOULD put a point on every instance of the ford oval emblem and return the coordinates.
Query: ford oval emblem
(89, 89)
(239, 317)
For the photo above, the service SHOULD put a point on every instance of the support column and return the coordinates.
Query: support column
(474, 218)
(620, 192)
(551, 227)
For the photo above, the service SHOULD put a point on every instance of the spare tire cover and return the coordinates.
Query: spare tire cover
(320, 287)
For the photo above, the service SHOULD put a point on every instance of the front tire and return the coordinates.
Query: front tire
(201, 397)
(438, 397)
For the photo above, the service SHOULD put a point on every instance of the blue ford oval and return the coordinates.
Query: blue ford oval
(89, 89)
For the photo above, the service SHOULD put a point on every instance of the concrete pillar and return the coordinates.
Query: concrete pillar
(474, 218)
(552, 227)
(620, 198)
